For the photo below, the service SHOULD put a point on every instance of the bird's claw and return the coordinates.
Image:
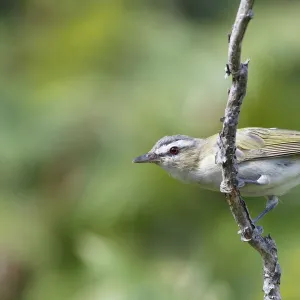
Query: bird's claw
(259, 229)
(245, 234)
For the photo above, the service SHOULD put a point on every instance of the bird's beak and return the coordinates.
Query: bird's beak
(146, 158)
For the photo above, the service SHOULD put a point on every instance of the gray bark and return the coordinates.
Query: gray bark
(226, 156)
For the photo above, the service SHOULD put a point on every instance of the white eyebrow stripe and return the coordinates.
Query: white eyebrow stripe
(183, 143)
(180, 144)
(163, 149)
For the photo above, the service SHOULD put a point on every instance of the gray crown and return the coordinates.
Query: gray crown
(166, 140)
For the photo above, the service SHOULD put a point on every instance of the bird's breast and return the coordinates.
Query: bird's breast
(208, 174)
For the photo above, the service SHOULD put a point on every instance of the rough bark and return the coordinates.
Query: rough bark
(226, 156)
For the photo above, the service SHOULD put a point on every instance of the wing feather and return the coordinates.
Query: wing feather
(255, 143)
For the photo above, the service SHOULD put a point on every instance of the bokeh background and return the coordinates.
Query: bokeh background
(85, 86)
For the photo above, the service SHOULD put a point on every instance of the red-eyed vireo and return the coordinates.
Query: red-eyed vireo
(268, 161)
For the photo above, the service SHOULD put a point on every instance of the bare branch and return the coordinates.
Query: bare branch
(226, 156)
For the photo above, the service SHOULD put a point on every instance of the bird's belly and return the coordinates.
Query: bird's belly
(279, 176)
(265, 190)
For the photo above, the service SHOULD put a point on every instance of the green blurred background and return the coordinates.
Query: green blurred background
(88, 85)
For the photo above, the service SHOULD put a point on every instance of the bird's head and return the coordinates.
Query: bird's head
(177, 154)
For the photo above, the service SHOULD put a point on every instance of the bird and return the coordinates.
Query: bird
(268, 162)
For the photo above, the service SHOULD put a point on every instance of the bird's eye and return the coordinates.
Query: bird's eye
(174, 150)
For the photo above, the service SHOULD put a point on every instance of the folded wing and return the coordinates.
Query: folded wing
(256, 143)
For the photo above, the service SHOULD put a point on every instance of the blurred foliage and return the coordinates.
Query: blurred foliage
(85, 87)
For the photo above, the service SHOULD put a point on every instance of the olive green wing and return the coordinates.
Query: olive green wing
(255, 143)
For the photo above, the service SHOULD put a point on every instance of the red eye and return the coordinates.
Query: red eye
(174, 150)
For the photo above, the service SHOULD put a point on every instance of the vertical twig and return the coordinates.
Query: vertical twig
(226, 156)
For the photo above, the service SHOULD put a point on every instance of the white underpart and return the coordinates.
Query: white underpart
(273, 176)
(184, 176)
(263, 179)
